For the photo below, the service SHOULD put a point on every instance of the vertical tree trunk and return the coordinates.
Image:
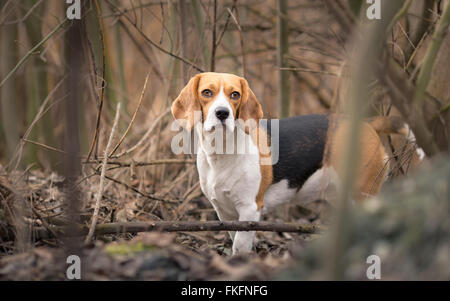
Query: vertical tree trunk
(9, 117)
(282, 50)
(174, 65)
(37, 91)
(72, 164)
(199, 22)
(120, 66)
(183, 37)
(213, 40)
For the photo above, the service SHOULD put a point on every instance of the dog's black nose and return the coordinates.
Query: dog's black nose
(222, 113)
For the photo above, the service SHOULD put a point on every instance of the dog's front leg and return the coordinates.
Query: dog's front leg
(243, 240)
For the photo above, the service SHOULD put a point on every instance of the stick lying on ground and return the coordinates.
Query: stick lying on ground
(172, 226)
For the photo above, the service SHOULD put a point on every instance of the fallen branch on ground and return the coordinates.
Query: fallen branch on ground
(148, 163)
(173, 226)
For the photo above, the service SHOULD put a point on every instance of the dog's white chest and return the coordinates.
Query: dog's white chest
(229, 181)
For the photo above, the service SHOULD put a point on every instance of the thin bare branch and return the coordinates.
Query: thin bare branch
(102, 176)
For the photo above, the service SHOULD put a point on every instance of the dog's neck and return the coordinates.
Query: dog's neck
(235, 145)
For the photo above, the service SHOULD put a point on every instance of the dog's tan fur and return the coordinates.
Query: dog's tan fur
(371, 165)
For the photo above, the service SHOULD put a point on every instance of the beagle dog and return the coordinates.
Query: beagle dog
(307, 165)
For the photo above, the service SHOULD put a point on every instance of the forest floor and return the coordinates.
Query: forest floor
(143, 256)
(407, 225)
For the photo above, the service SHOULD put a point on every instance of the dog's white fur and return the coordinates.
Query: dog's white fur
(322, 184)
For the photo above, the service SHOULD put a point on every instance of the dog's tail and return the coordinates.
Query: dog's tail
(394, 125)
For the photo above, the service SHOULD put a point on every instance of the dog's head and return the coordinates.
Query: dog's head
(216, 99)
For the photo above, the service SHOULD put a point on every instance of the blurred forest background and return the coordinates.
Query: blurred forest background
(62, 81)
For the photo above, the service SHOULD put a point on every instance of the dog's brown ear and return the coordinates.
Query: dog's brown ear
(250, 107)
(185, 105)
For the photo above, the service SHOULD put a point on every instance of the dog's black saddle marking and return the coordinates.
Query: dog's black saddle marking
(302, 142)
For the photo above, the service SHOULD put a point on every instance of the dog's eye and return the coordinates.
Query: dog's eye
(235, 95)
(207, 93)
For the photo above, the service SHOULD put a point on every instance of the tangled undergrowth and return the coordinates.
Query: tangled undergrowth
(39, 198)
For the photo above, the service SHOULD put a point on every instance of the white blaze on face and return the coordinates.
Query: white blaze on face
(211, 118)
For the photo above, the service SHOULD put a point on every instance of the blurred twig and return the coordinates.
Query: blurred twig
(399, 14)
(310, 71)
(28, 13)
(316, 87)
(241, 38)
(32, 51)
(45, 146)
(42, 110)
(422, 28)
(342, 16)
(156, 45)
(146, 135)
(146, 195)
(402, 91)
(133, 8)
(132, 119)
